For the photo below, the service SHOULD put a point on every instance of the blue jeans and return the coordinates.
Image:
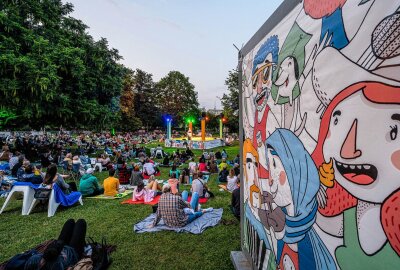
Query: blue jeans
(194, 203)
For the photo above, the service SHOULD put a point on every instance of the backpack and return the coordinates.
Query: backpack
(100, 254)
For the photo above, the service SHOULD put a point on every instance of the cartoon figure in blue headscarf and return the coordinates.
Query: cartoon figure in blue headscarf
(293, 184)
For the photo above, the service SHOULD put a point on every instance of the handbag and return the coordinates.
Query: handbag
(42, 194)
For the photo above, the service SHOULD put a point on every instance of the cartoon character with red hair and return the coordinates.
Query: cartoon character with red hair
(358, 155)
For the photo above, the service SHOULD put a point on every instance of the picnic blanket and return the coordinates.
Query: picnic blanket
(156, 199)
(118, 196)
(145, 176)
(199, 225)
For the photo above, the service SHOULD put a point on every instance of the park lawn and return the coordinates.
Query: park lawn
(110, 219)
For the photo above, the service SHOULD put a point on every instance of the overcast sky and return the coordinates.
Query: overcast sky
(194, 37)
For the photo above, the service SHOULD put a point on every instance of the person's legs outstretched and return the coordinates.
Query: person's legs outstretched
(66, 231)
(78, 236)
(154, 185)
(194, 202)
(185, 195)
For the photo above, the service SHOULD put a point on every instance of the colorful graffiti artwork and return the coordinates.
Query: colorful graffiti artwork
(321, 150)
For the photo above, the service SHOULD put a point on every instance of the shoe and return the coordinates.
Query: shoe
(207, 210)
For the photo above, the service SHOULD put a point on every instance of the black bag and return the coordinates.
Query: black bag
(42, 194)
(100, 254)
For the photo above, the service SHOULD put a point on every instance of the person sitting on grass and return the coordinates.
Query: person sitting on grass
(175, 171)
(232, 181)
(212, 166)
(198, 184)
(136, 176)
(235, 203)
(89, 184)
(142, 193)
(149, 167)
(223, 165)
(111, 184)
(65, 252)
(174, 184)
(184, 177)
(175, 210)
(166, 160)
(223, 175)
(192, 166)
(202, 165)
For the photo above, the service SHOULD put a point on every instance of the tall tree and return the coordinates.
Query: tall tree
(145, 104)
(230, 101)
(176, 96)
(51, 71)
(129, 120)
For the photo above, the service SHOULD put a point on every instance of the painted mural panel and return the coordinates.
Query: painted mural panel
(321, 153)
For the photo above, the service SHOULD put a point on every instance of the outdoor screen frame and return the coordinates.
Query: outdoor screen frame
(280, 13)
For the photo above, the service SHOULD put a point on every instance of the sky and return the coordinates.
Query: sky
(194, 37)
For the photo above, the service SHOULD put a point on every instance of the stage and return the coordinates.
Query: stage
(194, 143)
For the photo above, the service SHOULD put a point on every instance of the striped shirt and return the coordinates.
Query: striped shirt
(170, 209)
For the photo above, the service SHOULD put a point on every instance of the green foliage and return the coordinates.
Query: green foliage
(52, 72)
(176, 96)
(145, 105)
(230, 101)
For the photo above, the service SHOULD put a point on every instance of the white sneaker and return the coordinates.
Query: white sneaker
(210, 209)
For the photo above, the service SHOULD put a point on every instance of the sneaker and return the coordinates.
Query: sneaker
(210, 209)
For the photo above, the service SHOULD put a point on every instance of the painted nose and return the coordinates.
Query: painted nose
(270, 181)
(349, 148)
(259, 83)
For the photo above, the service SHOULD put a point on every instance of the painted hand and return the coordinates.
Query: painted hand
(327, 174)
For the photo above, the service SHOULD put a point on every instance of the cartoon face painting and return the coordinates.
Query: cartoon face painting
(261, 82)
(278, 183)
(288, 75)
(365, 147)
(320, 113)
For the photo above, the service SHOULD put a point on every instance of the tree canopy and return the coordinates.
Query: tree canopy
(52, 72)
(230, 101)
(176, 96)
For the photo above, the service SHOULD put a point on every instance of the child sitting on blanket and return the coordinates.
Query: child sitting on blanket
(142, 193)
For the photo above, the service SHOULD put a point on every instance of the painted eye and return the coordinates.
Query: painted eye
(255, 82)
(266, 73)
(273, 163)
(393, 132)
(335, 122)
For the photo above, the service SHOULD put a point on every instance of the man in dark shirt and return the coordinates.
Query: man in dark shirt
(235, 203)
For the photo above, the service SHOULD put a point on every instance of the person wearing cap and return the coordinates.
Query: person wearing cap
(89, 184)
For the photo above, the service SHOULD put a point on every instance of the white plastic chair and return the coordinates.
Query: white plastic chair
(53, 204)
(28, 194)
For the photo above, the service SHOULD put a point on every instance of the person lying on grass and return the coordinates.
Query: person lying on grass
(175, 210)
(146, 194)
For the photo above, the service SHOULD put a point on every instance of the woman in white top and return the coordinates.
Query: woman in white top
(232, 181)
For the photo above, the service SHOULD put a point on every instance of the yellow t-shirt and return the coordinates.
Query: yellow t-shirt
(111, 186)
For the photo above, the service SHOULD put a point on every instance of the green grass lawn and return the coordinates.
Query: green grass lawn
(110, 219)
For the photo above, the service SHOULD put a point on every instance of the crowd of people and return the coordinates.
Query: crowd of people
(63, 159)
